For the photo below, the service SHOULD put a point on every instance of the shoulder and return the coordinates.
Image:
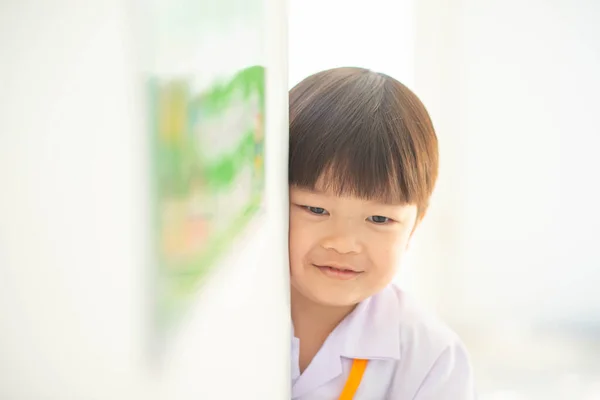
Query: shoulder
(433, 359)
(419, 329)
(415, 326)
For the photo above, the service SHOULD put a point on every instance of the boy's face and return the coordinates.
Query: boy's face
(345, 249)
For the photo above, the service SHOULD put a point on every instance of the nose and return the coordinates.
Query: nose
(342, 239)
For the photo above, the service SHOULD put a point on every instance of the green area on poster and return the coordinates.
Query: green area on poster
(191, 178)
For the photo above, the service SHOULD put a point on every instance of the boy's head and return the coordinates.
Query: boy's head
(363, 164)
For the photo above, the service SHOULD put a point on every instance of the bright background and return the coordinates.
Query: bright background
(508, 252)
(74, 224)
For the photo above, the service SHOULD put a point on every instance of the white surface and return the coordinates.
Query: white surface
(73, 226)
(377, 35)
(236, 343)
(513, 90)
(516, 115)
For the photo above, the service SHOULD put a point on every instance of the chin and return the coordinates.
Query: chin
(327, 293)
(333, 299)
(328, 302)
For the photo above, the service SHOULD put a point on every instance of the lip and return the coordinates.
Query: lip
(338, 266)
(340, 273)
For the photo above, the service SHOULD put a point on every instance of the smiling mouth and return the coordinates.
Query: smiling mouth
(344, 269)
(338, 272)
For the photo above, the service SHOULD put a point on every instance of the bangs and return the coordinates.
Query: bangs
(356, 133)
(358, 171)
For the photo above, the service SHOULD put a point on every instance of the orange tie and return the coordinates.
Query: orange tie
(354, 378)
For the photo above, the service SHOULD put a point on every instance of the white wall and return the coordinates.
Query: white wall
(70, 202)
(517, 111)
(325, 34)
(514, 91)
(236, 344)
(73, 226)
(529, 115)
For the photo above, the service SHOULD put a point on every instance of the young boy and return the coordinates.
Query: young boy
(363, 165)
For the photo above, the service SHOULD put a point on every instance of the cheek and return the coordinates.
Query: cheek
(299, 241)
(386, 251)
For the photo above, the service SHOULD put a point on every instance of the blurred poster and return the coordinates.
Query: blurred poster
(207, 96)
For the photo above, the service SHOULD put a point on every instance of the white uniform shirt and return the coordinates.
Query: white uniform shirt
(412, 356)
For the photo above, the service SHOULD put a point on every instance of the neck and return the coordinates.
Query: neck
(313, 323)
(307, 313)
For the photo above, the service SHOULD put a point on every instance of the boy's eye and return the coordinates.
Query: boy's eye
(378, 219)
(316, 210)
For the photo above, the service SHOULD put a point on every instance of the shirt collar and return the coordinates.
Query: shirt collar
(372, 330)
